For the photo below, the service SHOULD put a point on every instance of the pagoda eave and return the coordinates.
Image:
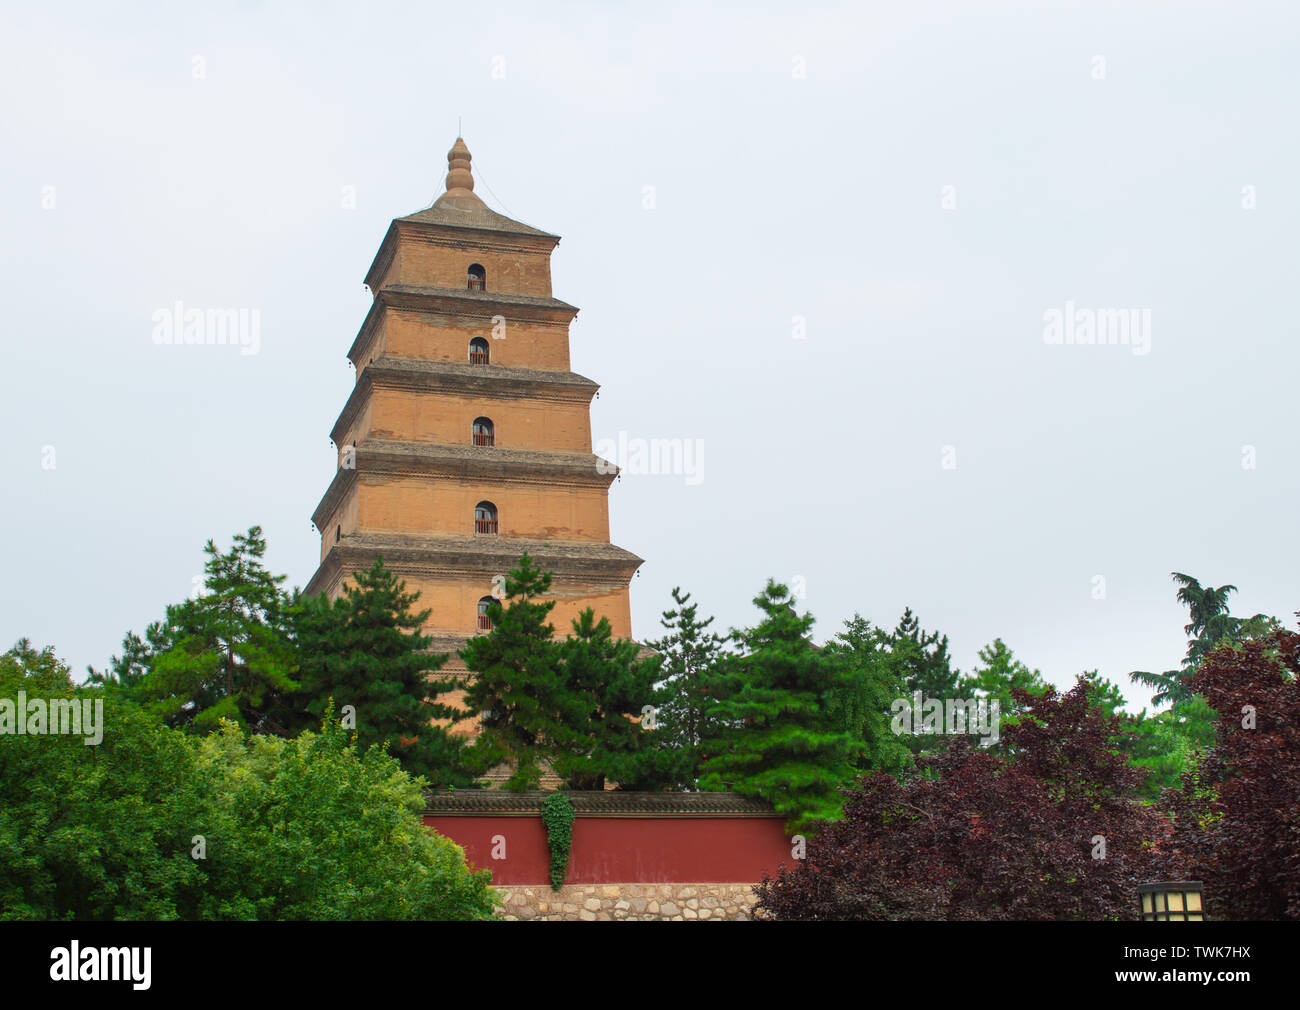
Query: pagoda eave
(480, 557)
(494, 381)
(462, 303)
(423, 459)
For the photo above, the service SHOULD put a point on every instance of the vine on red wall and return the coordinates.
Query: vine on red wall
(557, 815)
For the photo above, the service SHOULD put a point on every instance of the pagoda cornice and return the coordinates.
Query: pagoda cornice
(428, 459)
(495, 381)
(484, 305)
(412, 555)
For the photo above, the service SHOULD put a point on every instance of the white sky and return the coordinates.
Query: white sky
(775, 197)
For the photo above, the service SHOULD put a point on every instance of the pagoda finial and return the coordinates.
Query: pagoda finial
(458, 173)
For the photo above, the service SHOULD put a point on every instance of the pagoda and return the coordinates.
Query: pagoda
(466, 440)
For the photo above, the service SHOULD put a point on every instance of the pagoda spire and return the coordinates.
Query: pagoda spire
(459, 176)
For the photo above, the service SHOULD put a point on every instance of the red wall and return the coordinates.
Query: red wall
(642, 850)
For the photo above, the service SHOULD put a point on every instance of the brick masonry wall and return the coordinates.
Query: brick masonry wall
(612, 902)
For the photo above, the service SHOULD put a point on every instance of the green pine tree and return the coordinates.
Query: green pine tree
(516, 680)
(862, 706)
(922, 663)
(607, 697)
(225, 654)
(777, 741)
(996, 674)
(689, 654)
(365, 650)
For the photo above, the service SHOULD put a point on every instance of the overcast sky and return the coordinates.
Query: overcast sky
(826, 241)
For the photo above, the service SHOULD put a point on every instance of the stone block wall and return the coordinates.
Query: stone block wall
(611, 902)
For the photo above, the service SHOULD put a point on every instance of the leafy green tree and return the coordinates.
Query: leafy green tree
(155, 823)
(93, 832)
(319, 828)
(225, 654)
(365, 649)
(777, 741)
(689, 652)
(608, 692)
(517, 680)
(861, 706)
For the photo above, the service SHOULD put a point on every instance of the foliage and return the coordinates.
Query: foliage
(154, 823)
(317, 828)
(998, 677)
(1168, 744)
(776, 740)
(517, 680)
(94, 832)
(985, 836)
(922, 663)
(1209, 624)
(607, 688)
(365, 649)
(224, 654)
(557, 816)
(1237, 816)
(689, 653)
(861, 705)
(922, 658)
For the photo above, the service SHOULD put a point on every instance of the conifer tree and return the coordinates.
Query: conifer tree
(125, 672)
(862, 706)
(997, 676)
(224, 654)
(606, 701)
(365, 649)
(689, 653)
(777, 741)
(516, 680)
(921, 660)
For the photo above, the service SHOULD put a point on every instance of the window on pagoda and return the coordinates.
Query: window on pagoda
(485, 518)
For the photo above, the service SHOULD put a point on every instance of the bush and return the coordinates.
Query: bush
(1237, 816)
(310, 828)
(981, 836)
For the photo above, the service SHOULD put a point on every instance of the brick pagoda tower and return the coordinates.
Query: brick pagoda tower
(467, 439)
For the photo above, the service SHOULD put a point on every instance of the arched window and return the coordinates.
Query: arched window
(484, 618)
(485, 518)
(477, 277)
(484, 433)
(478, 351)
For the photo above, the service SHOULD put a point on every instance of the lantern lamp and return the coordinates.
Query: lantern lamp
(1171, 901)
